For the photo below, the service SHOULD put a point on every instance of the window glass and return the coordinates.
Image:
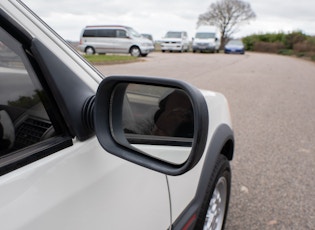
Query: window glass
(89, 33)
(23, 118)
(133, 33)
(205, 35)
(121, 34)
(173, 35)
(106, 33)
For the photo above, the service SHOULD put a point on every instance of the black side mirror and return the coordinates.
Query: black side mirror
(158, 123)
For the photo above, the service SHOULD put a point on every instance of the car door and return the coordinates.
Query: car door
(122, 41)
(105, 40)
(50, 178)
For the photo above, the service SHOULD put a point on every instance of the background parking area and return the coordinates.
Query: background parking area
(272, 101)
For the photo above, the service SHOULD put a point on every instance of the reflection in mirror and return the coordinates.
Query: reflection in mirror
(157, 117)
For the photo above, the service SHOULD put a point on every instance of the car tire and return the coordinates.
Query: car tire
(213, 212)
(89, 50)
(135, 51)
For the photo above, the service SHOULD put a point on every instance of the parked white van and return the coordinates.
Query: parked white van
(114, 39)
(207, 38)
(175, 41)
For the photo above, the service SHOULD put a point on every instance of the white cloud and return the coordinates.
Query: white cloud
(68, 17)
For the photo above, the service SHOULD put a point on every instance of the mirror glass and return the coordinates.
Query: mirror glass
(157, 120)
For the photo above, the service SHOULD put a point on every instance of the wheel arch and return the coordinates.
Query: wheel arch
(134, 46)
(222, 143)
(89, 46)
(228, 149)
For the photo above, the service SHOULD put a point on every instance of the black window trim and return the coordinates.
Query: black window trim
(33, 153)
(63, 139)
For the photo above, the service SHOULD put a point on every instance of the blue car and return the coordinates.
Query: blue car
(234, 46)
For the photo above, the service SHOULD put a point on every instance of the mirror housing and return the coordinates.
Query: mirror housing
(108, 116)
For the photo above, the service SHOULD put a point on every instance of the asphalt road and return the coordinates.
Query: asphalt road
(272, 101)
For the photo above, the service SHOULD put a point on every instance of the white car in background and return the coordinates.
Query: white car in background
(175, 41)
(83, 151)
(207, 39)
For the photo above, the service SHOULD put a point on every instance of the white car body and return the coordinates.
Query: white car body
(84, 187)
(175, 41)
(207, 38)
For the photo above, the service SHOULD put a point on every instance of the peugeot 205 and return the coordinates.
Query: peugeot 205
(79, 150)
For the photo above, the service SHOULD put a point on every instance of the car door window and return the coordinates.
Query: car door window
(121, 34)
(89, 33)
(24, 120)
(106, 33)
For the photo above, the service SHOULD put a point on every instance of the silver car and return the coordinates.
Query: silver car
(114, 39)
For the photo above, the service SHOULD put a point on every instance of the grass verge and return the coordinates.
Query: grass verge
(110, 59)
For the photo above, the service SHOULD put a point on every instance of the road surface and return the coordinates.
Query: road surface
(272, 101)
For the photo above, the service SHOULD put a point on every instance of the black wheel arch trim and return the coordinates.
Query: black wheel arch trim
(222, 143)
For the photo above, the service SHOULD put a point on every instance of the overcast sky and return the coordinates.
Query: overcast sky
(68, 17)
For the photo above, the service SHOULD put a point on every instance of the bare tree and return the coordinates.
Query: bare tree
(227, 15)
